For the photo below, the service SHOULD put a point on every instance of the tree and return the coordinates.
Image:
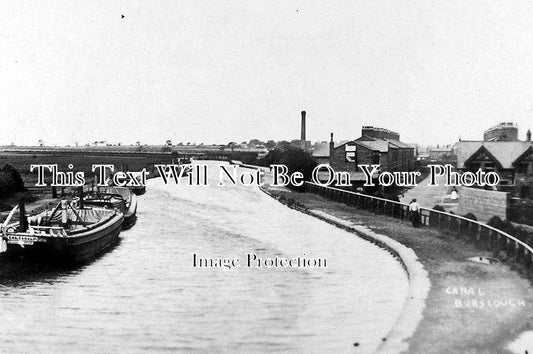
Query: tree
(10, 180)
(295, 159)
(283, 145)
(231, 145)
(270, 144)
(255, 142)
(168, 142)
(296, 142)
(40, 142)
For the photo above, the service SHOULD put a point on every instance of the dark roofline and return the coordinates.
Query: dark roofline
(522, 155)
(338, 146)
(467, 161)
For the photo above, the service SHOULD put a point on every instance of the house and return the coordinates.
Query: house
(375, 146)
(511, 160)
(441, 153)
(415, 148)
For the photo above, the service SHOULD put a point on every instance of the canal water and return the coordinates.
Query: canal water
(145, 296)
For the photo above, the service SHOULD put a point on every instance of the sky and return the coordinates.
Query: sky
(221, 71)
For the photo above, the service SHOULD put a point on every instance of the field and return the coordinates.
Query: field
(81, 162)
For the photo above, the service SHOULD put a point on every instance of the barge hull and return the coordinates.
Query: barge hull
(70, 250)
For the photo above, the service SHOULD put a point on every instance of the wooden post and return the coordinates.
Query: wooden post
(506, 244)
(493, 236)
(54, 192)
(80, 194)
(23, 223)
(478, 234)
(517, 251)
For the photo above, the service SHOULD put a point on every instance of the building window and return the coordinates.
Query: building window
(351, 154)
(375, 158)
(489, 166)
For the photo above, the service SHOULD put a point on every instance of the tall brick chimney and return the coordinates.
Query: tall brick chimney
(302, 138)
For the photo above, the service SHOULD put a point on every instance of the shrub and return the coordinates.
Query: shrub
(470, 216)
(439, 208)
(272, 157)
(523, 234)
(508, 227)
(10, 181)
(495, 222)
(521, 212)
(248, 158)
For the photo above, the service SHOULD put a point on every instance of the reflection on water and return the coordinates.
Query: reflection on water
(144, 294)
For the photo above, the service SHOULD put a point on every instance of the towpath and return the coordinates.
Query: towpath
(471, 307)
(429, 196)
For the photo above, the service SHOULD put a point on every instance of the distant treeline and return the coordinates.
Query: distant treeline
(10, 181)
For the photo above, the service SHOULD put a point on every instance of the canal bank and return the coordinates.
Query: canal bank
(471, 307)
(164, 303)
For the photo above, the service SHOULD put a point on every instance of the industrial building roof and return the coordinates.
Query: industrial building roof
(375, 145)
(399, 144)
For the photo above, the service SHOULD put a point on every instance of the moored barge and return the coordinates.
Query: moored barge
(64, 235)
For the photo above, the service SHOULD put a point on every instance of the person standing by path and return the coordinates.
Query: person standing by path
(414, 209)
